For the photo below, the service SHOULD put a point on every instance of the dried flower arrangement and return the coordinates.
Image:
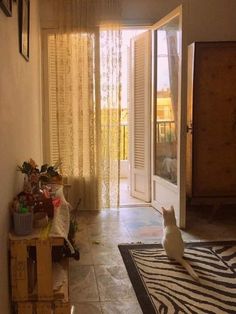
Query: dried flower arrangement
(36, 191)
(44, 174)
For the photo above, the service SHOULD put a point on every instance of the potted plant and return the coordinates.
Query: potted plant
(23, 214)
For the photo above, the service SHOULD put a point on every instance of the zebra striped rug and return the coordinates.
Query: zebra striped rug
(163, 286)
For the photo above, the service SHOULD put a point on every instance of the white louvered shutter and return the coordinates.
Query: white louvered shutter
(141, 117)
(52, 101)
(60, 128)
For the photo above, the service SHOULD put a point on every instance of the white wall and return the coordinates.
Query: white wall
(20, 120)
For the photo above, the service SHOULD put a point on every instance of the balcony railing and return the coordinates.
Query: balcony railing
(124, 142)
(165, 131)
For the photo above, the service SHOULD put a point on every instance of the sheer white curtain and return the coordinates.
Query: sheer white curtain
(83, 76)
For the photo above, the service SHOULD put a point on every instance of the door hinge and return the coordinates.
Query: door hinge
(189, 128)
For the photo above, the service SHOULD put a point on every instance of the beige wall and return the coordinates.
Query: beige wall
(133, 11)
(20, 120)
(211, 20)
(206, 19)
(151, 11)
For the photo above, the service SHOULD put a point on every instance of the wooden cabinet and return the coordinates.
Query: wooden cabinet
(211, 130)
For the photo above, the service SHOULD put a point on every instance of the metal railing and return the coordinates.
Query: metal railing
(124, 142)
(165, 131)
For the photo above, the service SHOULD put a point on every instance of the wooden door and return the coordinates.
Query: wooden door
(212, 109)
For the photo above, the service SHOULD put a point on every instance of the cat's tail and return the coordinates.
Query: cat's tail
(189, 269)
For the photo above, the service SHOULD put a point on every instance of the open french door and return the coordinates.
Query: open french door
(157, 168)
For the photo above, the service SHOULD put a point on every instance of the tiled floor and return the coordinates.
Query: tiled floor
(99, 282)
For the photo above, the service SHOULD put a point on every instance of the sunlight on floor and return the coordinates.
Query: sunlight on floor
(125, 198)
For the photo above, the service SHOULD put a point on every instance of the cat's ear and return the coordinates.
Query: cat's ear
(172, 208)
(163, 210)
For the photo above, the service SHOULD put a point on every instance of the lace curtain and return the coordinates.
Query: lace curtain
(84, 82)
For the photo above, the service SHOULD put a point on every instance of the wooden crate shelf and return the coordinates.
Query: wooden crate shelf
(32, 280)
(42, 308)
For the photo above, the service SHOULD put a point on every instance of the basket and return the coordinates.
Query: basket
(40, 219)
(23, 223)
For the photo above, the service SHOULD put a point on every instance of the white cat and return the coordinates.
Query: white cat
(172, 241)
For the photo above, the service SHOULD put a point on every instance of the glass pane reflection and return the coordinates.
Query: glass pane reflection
(167, 42)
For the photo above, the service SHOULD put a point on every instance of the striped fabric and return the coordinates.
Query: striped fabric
(169, 287)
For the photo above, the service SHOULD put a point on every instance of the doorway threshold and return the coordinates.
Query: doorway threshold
(136, 205)
(126, 200)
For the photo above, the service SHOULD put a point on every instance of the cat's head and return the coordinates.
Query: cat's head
(168, 216)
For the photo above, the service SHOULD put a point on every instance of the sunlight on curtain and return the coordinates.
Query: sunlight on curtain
(84, 74)
(110, 82)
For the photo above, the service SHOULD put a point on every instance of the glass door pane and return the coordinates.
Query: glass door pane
(167, 60)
